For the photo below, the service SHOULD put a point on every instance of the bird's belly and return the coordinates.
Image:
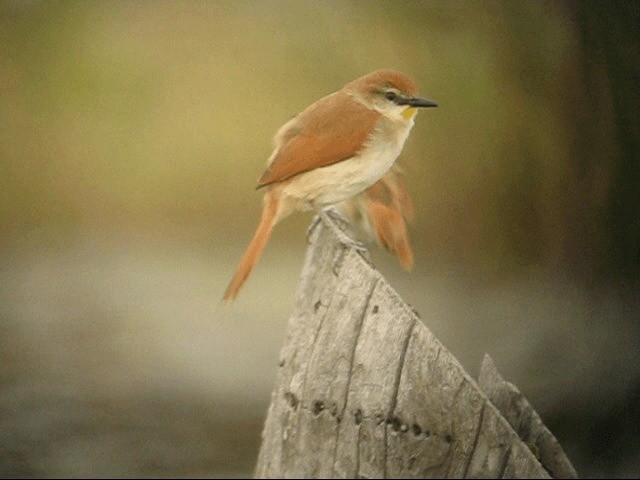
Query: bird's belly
(340, 181)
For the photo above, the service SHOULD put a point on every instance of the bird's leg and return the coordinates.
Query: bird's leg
(334, 214)
(314, 224)
(326, 217)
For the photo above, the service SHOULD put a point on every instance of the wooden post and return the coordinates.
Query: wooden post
(364, 390)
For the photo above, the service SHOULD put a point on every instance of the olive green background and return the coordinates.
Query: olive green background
(131, 138)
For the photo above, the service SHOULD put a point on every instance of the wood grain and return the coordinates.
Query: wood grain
(364, 389)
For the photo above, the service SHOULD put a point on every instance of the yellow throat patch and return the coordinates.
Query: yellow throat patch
(408, 113)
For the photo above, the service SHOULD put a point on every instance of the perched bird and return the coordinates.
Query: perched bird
(333, 150)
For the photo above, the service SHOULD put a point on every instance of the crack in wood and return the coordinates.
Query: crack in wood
(294, 424)
(505, 462)
(474, 444)
(452, 426)
(359, 324)
(338, 259)
(394, 396)
(358, 437)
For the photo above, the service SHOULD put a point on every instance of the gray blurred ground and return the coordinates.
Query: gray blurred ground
(115, 361)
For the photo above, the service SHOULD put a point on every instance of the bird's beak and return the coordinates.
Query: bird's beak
(417, 102)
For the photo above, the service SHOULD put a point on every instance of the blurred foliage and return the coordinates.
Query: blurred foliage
(611, 63)
(133, 115)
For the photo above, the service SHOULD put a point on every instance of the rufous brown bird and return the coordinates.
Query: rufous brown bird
(333, 150)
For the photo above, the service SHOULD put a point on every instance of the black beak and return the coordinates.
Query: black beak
(417, 102)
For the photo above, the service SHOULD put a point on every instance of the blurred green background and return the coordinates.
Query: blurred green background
(131, 138)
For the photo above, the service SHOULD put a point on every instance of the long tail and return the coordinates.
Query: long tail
(255, 248)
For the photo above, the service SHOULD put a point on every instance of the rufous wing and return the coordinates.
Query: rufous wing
(330, 130)
(392, 190)
(388, 208)
(383, 211)
(391, 231)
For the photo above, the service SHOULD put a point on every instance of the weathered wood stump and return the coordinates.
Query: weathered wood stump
(364, 390)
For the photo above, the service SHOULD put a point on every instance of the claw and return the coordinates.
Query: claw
(343, 237)
(336, 215)
(314, 224)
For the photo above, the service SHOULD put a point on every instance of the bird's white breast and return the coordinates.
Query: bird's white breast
(340, 181)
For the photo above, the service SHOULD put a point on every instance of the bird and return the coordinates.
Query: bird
(332, 151)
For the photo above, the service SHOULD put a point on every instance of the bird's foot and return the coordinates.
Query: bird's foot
(336, 220)
(314, 224)
(337, 217)
(332, 218)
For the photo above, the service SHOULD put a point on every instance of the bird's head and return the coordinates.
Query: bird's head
(391, 93)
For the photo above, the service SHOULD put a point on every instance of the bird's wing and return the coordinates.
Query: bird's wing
(388, 206)
(392, 190)
(331, 130)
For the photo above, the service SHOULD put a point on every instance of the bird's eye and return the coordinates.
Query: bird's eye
(391, 96)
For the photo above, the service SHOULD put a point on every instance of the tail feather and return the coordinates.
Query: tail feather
(391, 231)
(255, 248)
